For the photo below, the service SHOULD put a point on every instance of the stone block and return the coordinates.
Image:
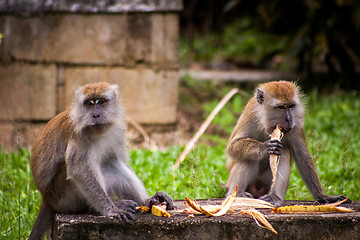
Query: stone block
(165, 38)
(69, 38)
(90, 6)
(149, 96)
(28, 92)
(120, 40)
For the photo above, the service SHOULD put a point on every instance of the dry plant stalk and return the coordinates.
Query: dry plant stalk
(325, 208)
(274, 159)
(204, 126)
(256, 215)
(148, 141)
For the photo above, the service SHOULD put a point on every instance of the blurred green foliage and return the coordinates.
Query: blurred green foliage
(237, 42)
(312, 37)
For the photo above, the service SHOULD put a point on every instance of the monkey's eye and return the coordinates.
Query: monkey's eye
(89, 102)
(100, 101)
(292, 106)
(281, 107)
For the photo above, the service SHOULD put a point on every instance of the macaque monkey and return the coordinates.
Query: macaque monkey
(248, 149)
(79, 162)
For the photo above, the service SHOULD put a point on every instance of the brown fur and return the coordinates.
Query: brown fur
(95, 89)
(282, 90)
(274, 103)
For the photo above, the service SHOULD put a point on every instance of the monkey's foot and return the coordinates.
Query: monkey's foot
(333, 199)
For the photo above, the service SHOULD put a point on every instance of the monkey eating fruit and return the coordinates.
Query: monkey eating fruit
(79, 162)
(248, 150)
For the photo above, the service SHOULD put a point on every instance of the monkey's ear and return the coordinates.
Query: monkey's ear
(260, 96)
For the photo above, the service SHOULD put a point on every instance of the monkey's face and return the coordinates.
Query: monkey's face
(279, 104)
(97, 105)
(96, 109)
(284, 116)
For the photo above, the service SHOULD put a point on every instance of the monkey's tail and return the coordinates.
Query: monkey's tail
(43, 222)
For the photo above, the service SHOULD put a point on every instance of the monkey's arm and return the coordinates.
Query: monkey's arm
(307, 170)
(47, 153)
(251, 149)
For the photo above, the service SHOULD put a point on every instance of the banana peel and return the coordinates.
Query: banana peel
(324, 208)
(213, 210)
(160, 210)
(157, 210)
(274, 159)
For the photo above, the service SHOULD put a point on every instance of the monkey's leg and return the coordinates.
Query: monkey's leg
(277, 193)
(127, 185)
(241, 175)
(43, 222)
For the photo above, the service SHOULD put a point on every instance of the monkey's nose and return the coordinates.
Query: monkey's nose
(96, 115)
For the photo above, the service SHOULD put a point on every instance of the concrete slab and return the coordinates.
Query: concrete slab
(230, 226)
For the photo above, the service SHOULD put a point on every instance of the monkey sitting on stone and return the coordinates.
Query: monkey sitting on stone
(249, 147)
(79, 162)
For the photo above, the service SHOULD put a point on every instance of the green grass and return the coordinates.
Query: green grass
(19, 200)
(332, 128)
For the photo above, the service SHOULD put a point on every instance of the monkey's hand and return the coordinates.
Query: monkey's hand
(126, 205)
(245, 194)
(121, 215)
(332, 199)
(273, 199)
(273, 146)
(160, 197)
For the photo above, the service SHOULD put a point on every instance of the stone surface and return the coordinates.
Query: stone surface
(125, 40)
(89, 6)
(149, 96)
(28, 92)
(232, 226)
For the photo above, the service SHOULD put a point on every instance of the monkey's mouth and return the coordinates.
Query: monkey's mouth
(285, 130)
(99, 126)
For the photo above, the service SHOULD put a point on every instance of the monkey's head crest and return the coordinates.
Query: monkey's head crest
(283, 91)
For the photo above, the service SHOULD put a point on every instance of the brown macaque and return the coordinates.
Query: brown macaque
(248, 149)
(79, 162)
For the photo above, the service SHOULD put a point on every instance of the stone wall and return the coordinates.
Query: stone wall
(49, 51)
(233, 225)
